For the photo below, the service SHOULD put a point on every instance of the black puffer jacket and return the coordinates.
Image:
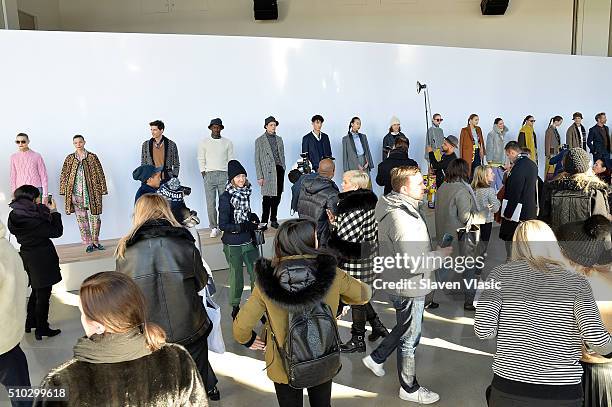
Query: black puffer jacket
(397, 158)
(166, 265)
(34, 227)
(574, 198)
(318, 194)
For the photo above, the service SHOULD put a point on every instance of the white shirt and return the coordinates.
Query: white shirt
(214, 154)
(317, 137)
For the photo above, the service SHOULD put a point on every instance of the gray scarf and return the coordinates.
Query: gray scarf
(111, 347)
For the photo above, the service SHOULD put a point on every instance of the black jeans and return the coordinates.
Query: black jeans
(485, 236)
(14, 371)
(199, 352)
(497, 398)
(38, 308)
(270, 203)
(361, 314)
(318, 396)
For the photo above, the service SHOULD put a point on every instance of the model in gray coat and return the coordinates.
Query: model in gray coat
(435, 135)
(496, 141)
(350, 160)
(270, 168)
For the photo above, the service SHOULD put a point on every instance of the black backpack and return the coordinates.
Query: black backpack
(311, 353)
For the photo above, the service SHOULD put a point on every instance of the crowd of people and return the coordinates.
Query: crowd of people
(148, 315)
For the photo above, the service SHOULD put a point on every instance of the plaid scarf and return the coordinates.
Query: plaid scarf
(240, 201)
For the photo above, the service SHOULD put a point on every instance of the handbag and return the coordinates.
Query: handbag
(468, 239)
(215, 337)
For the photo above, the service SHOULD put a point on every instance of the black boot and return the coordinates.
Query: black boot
(214, 394)
(378, 330)
(48, 332)
(29, 325)
(235, 310)
(355, 344)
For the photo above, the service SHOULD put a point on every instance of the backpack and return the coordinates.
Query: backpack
(570, 206)
(311, 353)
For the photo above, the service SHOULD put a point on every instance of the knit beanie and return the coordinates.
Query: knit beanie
(586, 242)
(234, 168)
(577, 161)
(394, 120)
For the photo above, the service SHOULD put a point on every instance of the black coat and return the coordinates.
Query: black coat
(167, 266)
(397, 158)
(520, 187)
(34, 227)
(440, 166)
(598, 145)
(234, 234)
(317, 194)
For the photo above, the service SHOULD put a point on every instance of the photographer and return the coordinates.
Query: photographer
(319, 193)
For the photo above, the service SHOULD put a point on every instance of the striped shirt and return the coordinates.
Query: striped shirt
(540, 320)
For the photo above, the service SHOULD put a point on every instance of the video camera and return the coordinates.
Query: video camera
(303, 164)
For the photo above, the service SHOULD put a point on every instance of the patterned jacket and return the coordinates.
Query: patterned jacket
(94, 178)
(355, 233)
(172, 164)
(265, 166)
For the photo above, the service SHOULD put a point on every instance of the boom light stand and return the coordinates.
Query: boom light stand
(431, 189)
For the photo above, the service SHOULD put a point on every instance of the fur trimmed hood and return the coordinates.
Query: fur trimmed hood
(579, 182)
(358, 199)
(298, 281)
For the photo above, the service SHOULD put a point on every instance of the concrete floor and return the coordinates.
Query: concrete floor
(450, 360)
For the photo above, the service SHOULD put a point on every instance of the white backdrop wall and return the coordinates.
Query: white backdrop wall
(108, 87)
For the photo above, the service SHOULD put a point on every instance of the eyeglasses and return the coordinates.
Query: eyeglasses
(20, 142)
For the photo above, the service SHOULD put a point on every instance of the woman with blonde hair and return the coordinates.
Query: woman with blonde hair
(486, 200)
(161, 256)
(588, 247)
(541, 312)
(354, 234)
(122, 356)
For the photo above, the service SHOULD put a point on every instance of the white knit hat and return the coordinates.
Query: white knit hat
(394, 120)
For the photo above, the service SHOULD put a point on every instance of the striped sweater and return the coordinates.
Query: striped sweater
(540, 320)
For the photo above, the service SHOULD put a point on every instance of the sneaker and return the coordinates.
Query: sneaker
(274, 224)
(215, 232)
(432, 305)
(421, 396)
(90, 248)
(376, 368)
(100, 247)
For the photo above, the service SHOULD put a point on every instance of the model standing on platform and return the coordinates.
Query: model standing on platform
(472, 146)
(576, 135)
(28, 167)
(160, 151)
(356, 153)
(527, 138)
(435, 137)
(82, 183)
(214, 153)
(316, 143)
(270, 168)
(598, 140)
(552, 144)
(395, 130)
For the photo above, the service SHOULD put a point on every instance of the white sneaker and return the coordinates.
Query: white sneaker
(376, 368)
(215, 232)
(421, 396)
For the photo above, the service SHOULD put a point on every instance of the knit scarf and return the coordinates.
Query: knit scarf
(239, 198)
(529, 137)
(111, 347)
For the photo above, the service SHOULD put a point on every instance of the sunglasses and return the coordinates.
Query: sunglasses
(438, 120)
(20, 142)
(532, 121)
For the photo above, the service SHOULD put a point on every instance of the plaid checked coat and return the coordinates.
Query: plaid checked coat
(355, 234)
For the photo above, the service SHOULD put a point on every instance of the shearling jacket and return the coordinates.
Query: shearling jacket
(496, 141)
(296, 282)
(165, 263)
(94, 179)
(167, 377)
(574, 198)
(354, 233)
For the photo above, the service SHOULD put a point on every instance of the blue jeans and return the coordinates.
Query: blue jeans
(404, 337)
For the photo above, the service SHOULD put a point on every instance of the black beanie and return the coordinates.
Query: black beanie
(577, 161)
(586, 242)
(234, 168)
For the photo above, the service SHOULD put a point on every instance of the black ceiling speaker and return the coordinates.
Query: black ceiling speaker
(265, 9)
(494, 7)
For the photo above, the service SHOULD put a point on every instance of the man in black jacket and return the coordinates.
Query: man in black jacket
(598, 139)
(520, 188)
(448, 150)
(317, 195)
(398, 157)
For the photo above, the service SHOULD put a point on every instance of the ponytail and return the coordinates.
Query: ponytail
(555, 119)
(155, 336)
(526, 119)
